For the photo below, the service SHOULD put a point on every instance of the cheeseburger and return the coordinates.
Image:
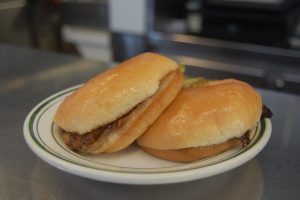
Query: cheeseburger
(204, 120)
(113, 109)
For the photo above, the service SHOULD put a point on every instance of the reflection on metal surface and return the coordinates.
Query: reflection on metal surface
(271, 67)
(59, 71)
(245, 182)
(4, 187)
(291, 77)
(12, 4)
(157, 37)
(221, 66)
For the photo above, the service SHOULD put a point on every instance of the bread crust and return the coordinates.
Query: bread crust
(193, 153)
(210, 114)
(113, 93)
(149, 112)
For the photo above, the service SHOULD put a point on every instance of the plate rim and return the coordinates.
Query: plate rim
(140, 178)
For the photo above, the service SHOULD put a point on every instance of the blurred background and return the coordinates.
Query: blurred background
(257, 41)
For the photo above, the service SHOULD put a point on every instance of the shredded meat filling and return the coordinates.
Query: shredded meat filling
(266, 112)
(245, 139)
(77, 142)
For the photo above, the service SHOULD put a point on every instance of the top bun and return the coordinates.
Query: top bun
(113, 93)
(205, 115)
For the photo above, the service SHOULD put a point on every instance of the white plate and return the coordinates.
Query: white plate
(132, 165)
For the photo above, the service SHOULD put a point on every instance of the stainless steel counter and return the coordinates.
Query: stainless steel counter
(29, 76)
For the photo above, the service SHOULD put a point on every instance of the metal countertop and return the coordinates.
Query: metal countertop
(29, 76)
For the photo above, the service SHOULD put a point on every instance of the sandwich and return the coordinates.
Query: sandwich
(205, 119)
(113, 109)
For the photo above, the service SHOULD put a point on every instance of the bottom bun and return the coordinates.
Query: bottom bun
(193, 153)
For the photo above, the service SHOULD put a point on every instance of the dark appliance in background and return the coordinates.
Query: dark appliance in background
(248, 40)
(265, 22)
(262, 22)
